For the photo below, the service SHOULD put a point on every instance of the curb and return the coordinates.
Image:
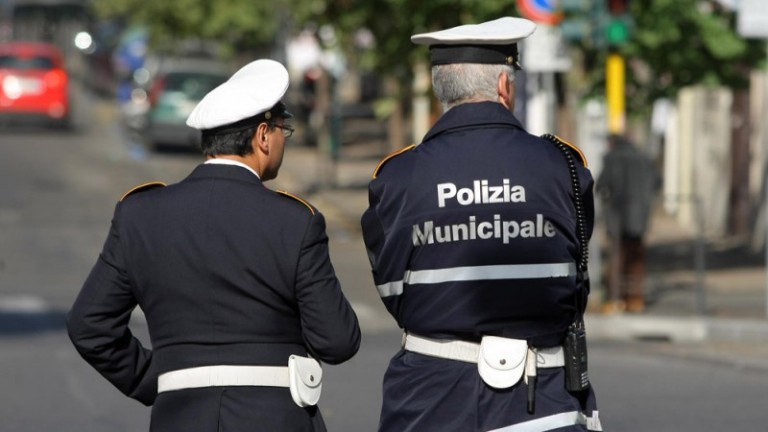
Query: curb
(675, 329)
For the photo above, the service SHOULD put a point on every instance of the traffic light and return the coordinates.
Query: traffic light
(603, 23)
(617, 28)
(576, 20)
(584, 21)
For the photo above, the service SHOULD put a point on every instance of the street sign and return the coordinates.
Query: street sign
(545, 51)
(752, 21)
(541, 11)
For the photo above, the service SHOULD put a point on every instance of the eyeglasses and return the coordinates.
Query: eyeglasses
(287, 130)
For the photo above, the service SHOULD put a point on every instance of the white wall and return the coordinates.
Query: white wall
(700, 151)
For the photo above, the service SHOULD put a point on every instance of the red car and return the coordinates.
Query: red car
(34, 81)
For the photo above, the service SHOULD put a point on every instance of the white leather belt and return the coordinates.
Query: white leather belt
(217, 376)
(470, 351)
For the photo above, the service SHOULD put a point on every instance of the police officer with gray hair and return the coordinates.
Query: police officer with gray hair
(235, 280)
(477, 239)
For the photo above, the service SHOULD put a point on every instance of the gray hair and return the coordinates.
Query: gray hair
(458, 83)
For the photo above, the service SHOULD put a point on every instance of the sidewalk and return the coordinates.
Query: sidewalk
(719, 313)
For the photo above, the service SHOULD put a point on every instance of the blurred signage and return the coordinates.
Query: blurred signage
(546, 51)
(752, 20)
(541, 11)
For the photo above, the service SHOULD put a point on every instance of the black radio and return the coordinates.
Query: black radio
(575, 350)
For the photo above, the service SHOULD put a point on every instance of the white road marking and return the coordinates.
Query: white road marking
(23, 304)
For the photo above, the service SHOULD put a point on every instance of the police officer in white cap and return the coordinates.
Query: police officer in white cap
(477, 239)
(235, 280)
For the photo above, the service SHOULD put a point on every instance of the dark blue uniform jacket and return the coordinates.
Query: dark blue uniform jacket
(227, 272)
(473, 232)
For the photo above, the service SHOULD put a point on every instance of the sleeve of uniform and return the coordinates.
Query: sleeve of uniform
(373, 231)
(387, 246)
(329, 323)
(98, 325)
(586, 181)
(587, 187)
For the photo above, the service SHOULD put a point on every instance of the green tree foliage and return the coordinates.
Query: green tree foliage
(235, 24)
(674, 44)
(392, 22)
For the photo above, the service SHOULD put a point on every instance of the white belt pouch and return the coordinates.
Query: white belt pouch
(305, 380)
(501, 361)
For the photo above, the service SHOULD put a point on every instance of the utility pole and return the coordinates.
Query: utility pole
(615, 92)
(753, 23)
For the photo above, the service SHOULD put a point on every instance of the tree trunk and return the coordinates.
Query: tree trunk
(739, 195)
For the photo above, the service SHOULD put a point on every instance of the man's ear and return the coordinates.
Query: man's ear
(506, 90)
(259, 140)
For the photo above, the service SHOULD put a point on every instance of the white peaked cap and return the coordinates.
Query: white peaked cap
(253, 90)
(502, 31)
(492, 42)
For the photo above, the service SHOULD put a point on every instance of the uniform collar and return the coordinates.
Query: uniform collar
(231, 162)
(473, 115)
(224, 171)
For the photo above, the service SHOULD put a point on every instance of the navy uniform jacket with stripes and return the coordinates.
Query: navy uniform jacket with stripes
(473, 233)
(227, 272)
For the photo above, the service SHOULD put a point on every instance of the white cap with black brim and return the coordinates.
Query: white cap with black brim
(492, 42)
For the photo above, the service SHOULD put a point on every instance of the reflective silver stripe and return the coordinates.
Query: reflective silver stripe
(547, 423)
(494, 272)
(390, 288)
(510, 271)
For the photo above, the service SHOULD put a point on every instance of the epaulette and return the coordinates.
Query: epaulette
(143, 188)
(290, 195)
(575, 150)
(390, 156)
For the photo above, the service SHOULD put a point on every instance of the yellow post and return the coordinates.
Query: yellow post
(615, 92)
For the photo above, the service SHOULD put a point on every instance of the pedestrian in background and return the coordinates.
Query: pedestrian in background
(475, 239)
(234, 279)
(627, 186)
